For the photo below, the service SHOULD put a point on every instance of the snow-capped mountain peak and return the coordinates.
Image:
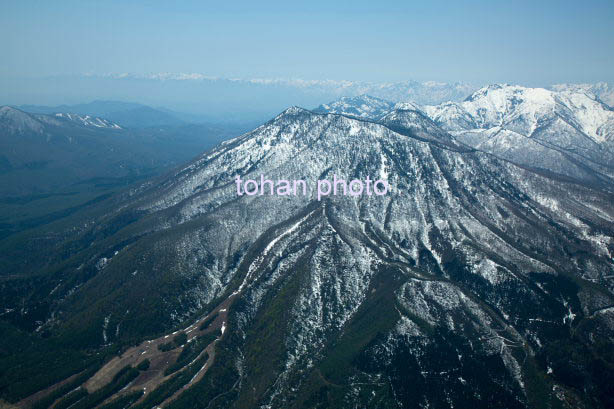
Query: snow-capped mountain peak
(497, 105)
(568, 132)
(525, 110)
(408, 106)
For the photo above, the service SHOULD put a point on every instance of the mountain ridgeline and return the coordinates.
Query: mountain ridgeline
(567, 133)
(483, 278)
(41, 153)
(52, 164)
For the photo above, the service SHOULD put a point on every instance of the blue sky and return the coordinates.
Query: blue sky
(527, 42)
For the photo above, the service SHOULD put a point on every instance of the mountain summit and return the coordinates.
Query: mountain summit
(362, 106)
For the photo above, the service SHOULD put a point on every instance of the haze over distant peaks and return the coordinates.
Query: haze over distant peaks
(14, 120)
(87, 120)
(127, 114)
(228, 99)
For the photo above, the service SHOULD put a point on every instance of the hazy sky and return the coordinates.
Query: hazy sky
(528, 42)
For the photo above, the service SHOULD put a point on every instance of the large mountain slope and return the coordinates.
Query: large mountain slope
(473, 283)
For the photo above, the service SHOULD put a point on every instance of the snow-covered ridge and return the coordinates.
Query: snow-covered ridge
(515, 108)
(524, 110)
(408, 106)
(14, 120)
(88, 120)
(602, 90)
(569, 131)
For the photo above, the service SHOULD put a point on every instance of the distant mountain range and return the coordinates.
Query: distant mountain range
(212, 99)
(126, 114)
(215, 99)
(41, 153)
(422, 92)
